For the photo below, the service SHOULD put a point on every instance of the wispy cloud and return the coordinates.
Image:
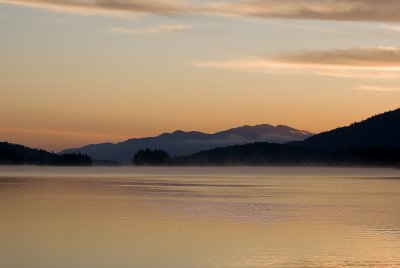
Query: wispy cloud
(353, 10)
(395, 28)
(55, 132)
(159, 29)
(310, 28)
(377, 89)
(361, 63)
(356, 10)
(108, 7)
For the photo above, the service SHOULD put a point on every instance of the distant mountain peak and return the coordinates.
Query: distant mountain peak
(182, 142)
(284, 126)
(254, 126)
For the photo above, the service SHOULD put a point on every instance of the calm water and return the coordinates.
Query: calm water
(199, 217)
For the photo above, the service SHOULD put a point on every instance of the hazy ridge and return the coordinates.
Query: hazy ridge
(184, 143)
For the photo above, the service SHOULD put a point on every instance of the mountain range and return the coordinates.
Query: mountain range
(184, 143)
(372, 142)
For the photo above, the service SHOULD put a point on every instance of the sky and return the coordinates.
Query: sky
(76, 72)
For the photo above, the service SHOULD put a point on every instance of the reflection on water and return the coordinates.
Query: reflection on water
(199, 217)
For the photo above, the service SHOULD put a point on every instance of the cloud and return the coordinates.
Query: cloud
(114, 7)
(376, 89)
(159, 29)
(395, 28)
(361, 63)
(353, 10)
(55, 132)
(310, 28)
(342, 10)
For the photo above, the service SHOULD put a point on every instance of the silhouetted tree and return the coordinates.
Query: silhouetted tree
(74, 159)
(150, 157)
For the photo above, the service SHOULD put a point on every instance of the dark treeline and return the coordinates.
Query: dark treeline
(14, 154)
(379, 131)
(150, 157)
(285, 155)
(270, 154)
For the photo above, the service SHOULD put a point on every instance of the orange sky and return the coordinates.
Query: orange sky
(75, 73)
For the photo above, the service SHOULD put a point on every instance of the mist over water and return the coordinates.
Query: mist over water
(199, 217)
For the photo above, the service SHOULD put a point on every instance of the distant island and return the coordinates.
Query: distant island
(374, 142)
